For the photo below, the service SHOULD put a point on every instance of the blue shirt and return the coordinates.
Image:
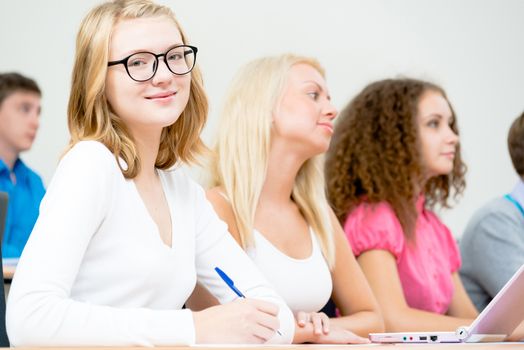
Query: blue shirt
(22, 210)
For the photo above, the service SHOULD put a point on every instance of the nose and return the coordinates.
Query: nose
(162, 74)
(329, 110)
(34, 120)
(452, 138)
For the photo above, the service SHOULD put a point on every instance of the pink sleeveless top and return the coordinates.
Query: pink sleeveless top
(424, 268)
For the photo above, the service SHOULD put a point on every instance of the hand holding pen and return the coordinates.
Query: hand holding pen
(231, 285)
(246, 321)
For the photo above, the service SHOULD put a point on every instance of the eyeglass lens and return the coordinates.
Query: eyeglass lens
(143, 65)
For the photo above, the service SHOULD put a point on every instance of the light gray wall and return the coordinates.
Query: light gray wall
(473, 48)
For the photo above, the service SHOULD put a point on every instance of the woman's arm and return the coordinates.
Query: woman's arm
(216, 248)
(380, 268)
(223, 208)
(201, 298)
(518, 333)
(351, 292)
(353, 297)
(461, 305)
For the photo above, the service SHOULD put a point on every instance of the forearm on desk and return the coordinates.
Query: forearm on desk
(361, 323)
(518, 333)
(303, 334)
(409, 319)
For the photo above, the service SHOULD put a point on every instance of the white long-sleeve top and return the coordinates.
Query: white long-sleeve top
(96, 272)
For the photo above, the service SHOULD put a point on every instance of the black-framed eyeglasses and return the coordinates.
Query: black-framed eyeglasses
(142, 66)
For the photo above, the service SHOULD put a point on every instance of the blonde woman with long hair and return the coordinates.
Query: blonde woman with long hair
(267, 171)
(123, 233)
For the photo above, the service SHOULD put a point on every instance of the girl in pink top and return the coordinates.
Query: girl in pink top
(394, 154)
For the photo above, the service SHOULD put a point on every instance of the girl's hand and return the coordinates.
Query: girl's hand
(339, 336)
(245, 321)
(319, 320)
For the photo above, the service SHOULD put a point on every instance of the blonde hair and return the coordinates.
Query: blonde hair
(241, 151)
(89, 114)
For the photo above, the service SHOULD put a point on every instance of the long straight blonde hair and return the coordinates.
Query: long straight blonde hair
(90, 116)
(240, 160)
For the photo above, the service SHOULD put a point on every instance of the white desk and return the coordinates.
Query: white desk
(485, 346)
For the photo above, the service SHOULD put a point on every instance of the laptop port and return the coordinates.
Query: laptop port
(422, 338)
(433, 337)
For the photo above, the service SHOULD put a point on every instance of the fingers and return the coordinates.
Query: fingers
(265, 319)
(325, 323)
(263, 333)
(264, 306)
(317, 324)
(320, 322)
(302, 318)
(241, 321)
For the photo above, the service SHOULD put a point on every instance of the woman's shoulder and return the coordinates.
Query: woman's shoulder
(87, 162)
(222, 206)
(379, 214)
(372, 226)
(89, 157)
(89, 152)
(216, 195)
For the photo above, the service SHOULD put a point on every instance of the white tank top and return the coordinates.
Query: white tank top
(305, 284)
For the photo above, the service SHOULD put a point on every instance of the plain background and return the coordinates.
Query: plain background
(472, 48)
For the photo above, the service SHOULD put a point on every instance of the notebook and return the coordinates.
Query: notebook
(497, 321)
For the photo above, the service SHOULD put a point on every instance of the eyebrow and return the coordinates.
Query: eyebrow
(319, 86)
(132, 52)
(439, 116)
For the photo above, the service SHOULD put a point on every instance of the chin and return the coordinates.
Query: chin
(166, 120)
(444, 171)
(25, 147)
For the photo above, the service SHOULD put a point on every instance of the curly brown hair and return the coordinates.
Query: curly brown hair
(374, 154)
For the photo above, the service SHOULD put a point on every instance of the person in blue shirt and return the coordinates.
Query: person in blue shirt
(19, 121)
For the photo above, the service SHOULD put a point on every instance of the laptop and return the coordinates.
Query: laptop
(497, 321)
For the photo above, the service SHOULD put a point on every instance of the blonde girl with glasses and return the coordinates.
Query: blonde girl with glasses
(276, 123)
(123, 234)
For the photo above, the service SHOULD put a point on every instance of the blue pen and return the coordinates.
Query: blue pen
(229, 282)
(231, 285)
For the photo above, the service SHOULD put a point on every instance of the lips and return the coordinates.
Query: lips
(161, 95)
(327, 125)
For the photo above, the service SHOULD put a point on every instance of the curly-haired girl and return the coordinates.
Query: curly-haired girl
(395, 153)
